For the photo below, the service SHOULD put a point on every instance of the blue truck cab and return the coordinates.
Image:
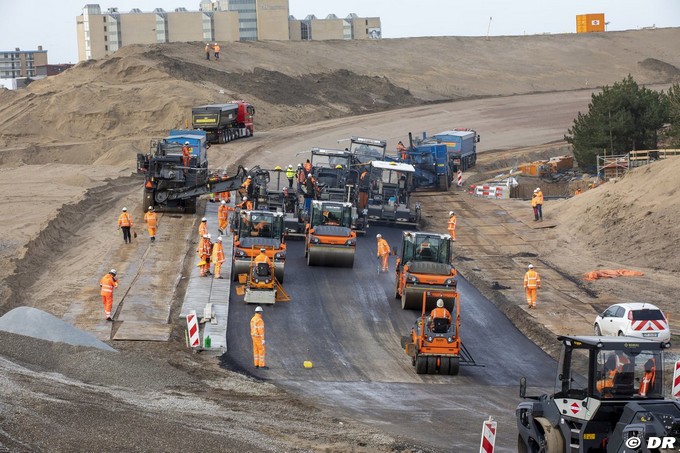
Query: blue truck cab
(462, 147)
(198, 145)
(432, 165)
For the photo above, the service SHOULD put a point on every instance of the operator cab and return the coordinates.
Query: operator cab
(428, 247)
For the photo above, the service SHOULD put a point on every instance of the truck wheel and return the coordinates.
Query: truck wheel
(421, 365)
(220, 137)
(442, 182)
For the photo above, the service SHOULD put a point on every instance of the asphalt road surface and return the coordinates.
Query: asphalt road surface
(348, 323)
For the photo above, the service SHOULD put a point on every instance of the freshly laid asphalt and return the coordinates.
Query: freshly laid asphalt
(348, 323)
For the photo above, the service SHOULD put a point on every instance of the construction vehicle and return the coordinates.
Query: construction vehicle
(223, 123)
(461, 144)
(261, 284)
(434, 344)
(424, 267)
(256, 230)
(365, 150)
(171, 186)
(609, 398)
(389, 194)
(329, 237)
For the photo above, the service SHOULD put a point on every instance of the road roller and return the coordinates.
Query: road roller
(261, 285)
(434, 343)
(329, 237)
(256, 230)
(424, 267)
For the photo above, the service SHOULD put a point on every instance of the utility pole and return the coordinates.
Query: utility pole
(488, 28)
(611, 140)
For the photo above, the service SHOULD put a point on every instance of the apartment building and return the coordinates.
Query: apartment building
(23, 63)
(332, 27)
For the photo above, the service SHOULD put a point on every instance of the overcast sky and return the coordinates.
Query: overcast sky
(54, 25)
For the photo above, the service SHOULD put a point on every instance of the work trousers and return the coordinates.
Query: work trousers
(126, 234)
(531, 296)
(539, 211)
(452, 233)
(385, 263)
(108, 304)
(218, 269)
(152, 231)
(258, 352)
(290, 183)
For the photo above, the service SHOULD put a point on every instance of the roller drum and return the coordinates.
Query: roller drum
(331, 256)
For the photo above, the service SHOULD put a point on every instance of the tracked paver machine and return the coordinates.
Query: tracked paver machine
(329, 237)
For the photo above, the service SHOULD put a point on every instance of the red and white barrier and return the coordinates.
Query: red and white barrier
(192, 328)
(459, 179)
(488, 436)
(495, 191)
(676, 381)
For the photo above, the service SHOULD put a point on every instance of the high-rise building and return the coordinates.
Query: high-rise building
(332, 27)
(23, 63)
(259, 20)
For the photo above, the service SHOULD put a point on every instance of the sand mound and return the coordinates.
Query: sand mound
(632, 221)
(35, 323)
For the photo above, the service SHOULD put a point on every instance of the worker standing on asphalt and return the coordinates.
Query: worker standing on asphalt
(218, 256)
(257, 335)
(204, 251)
(222, 217)
(440, 312)
(151, 220)
(539, 203)
(290, 174)
(532, 282)
(186, 156)
(107, 283)
(383, 252)
(125, 223)
(203, 227)
(452, 225)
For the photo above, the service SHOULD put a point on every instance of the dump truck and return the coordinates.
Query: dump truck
(223, 123)
(389, 193)
(461, 146)
(433, 168)
(256, 230)
(424, 267)
(609, 397)
(329, 237)
(171, 186)
(434, 343)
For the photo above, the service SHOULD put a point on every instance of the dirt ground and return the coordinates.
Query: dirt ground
(64, 181)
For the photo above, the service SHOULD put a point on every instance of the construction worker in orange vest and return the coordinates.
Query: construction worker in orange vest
(262, 257)
(401, 149)
(383, 252)
(610, 371)
(308, 167)
(245, 186)
(532, 282)
(218, 257)
(125, 223)
(203, 227)
(440, 312)
(151, 219)
(452, 225)
(301, 176)
(107, 283)
(216, 49)
(257, 335)
(537, 203)
(204, 251)
(647, 383)
(186, 156)
(222, 217)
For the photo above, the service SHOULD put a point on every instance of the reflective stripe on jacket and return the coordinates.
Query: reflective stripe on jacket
(124, 220)
(532, 279)
(257, 326)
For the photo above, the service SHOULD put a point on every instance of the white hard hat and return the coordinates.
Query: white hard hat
(219, 238)
(215, 44)
(531, 266)
(204, 219)
(205, 236)
(245, 198)
(224, 202)
(450, 212)
(537, 189)
(290, 165)
(112, 271)
(378, 235)
(440, 303)
(250, 177)
(309, 175)
(258, 309)
(124, 209)
(209, 235)
(263, 249)
(150, 208)
(186, 143)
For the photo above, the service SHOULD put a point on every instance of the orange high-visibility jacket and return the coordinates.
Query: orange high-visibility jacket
(223, 212)
(204, 248)
(218, 253)
(308, 167)
(532, 279)
(124, 220)
(203, 228)
(257, 327)
(383, 247)
(151, 219)
(534, 201)
(440, 312)
(246, 183)
(539, 197)
(186, 151)
(647, 382)
(107, 282)
(452, 222)
(216, 48)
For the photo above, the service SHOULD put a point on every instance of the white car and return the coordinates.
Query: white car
(639, 320)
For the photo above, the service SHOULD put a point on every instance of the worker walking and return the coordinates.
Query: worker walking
(257, 335)
(125, 223)
(203, 227)
(204, 251)
(539, 203)
(107, 283)
(216, 49)
(452, 225)
(290, 174)
(383, 252)
(151, 220)
(222, 217)
(532, 282)
(218, 256)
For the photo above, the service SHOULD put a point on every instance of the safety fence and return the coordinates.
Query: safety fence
(499, 191)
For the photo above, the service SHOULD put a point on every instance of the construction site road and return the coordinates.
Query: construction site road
(348, 323)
